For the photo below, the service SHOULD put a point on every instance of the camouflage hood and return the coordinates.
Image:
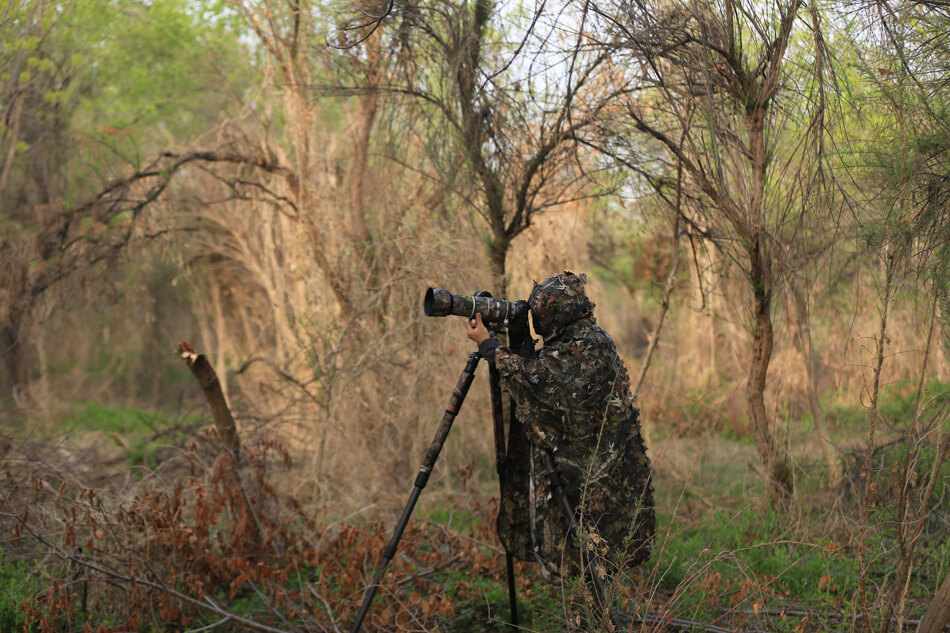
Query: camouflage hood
(557, 302)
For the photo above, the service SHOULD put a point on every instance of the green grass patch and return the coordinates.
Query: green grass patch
(896, 404)
(140, 433)
(486, 605)
(126, 421)
(17, 585)
(460, 520)
(748, 556)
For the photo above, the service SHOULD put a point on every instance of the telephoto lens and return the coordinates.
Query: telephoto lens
(440, 303)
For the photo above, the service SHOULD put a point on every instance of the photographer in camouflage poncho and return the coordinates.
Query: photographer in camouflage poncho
(572, 398)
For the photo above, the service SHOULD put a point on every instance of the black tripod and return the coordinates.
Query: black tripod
(451, 411)
(432, 454)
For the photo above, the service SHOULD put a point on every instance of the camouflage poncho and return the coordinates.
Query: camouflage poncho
(573, 398)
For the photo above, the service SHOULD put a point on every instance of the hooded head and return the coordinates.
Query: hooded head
(557, 302)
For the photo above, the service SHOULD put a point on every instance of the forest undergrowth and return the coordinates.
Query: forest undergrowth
(759, 191)
(166, 534)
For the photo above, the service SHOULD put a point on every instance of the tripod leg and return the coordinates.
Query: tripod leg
(512, 595)
(422, 478)
(500, 458)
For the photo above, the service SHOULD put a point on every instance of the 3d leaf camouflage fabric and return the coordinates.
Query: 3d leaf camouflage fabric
(573, 398)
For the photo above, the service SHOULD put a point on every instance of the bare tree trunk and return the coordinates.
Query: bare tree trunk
(499, 256)
(220, 336)
(811, 370)
(366, 109)
(762, 281)
(914, 501)
(866, 503)
(705, 314)
(211, 386)
(365, 248)
(40, 393)
(9, 347)
(11, 133)
(665, 305)
(777, 471)
(227, 434)
(938, 615)
(14, 135)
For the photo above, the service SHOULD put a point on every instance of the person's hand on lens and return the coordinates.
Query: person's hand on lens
(476, 329)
